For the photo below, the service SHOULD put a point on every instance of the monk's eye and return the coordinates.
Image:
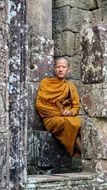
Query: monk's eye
(57, 67)
(64, 67)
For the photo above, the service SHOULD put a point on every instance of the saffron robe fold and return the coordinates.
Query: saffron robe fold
(54, 96)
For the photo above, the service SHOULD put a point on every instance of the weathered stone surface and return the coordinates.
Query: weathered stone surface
(89, 5)
(74, 181)
(61, 19)
(94, 137)
(77, 49)
(95, 165)
(94, 59)
(40, 17)
(73, 19)
(62, 45)
(4, 149)
(89, 165)
(94, 99)
(34, 121)
(3, 127)
(3, 160)
(40, 57)
(45, 152)
(17, 94)
(101, 3)
(99, 16)
(75, 67)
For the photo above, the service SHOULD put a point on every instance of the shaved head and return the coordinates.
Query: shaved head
(62, 58)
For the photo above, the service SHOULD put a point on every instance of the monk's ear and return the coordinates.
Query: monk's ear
(69, 70)
(54, 69)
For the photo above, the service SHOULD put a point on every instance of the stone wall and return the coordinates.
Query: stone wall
(25, 61)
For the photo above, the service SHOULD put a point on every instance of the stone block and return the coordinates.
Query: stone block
(99, 16)
(89, 165)
(40, 18)
(95, 165)
(62, 45)
(34, 120)
(72, 19)
(77, 49)
(75, 67)
(89, 5)
(94, 99)
(94, 139)
(94, 54)
(101, 3)
(61, 19)
(46, 153)
(40, 58)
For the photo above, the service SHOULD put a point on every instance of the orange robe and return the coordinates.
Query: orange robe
(55, 95)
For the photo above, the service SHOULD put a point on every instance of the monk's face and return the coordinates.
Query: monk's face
(62, 68)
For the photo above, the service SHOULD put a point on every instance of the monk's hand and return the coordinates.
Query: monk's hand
(66, 112)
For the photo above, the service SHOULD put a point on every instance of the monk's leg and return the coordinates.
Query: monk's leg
(78, 143)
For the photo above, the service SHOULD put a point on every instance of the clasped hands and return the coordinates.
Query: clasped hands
(66, 112)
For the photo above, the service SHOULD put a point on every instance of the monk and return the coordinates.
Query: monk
(58, 104)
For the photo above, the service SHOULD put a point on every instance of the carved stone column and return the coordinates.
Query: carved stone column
(17, 89)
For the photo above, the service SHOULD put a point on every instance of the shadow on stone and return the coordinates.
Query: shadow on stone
(47, 155)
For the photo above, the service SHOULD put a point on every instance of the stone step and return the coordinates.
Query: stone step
(67, 181)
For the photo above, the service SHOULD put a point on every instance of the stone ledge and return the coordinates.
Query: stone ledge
(82, 180)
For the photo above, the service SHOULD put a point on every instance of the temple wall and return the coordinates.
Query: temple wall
(27, 57)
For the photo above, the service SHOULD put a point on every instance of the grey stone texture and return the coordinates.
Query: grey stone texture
(88, 5)
(40, 57)
(62, 45)
(94, 61)
(99, 16)
(68, 18)
(67, 43)
(17, 91)
(94, 99)
(94, 138)
(75, 67)
(101, 3)
(40, 17)
(74, 181)
(4, 148)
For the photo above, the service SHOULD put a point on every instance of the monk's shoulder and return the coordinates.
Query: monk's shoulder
(72, 85)
(46, 80)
